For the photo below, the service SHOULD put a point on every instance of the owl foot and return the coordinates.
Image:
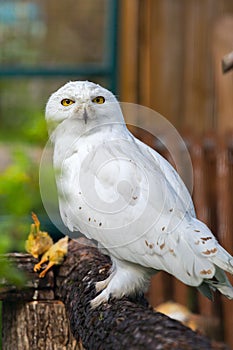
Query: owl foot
(126, 278)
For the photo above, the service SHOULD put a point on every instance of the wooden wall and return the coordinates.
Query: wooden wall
(170, 60)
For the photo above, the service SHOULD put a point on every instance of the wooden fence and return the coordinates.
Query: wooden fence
(212, 159)
(170, 60)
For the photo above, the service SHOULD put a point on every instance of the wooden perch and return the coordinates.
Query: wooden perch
(120, 324)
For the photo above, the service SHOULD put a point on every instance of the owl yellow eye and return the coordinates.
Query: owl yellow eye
(99, 100)
(67, 102)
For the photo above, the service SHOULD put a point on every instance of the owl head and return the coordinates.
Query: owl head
(82, 104)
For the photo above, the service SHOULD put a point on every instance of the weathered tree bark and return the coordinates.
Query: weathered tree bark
(120, 324)
(31, 317)
(36, 325)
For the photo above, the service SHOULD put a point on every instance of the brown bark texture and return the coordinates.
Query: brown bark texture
(128, 323)
(37, 325)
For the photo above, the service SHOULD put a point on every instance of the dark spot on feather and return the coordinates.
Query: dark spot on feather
(171, 210)
(206, 238)
(163, 228)
(146, 243)
(205, 272)
(162, 246)
(89, 219)
(80, 208)
(197, 231)
(210, 251)
(135, 197)
(100, 224)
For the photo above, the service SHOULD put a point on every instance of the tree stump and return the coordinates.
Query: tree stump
(36, 325)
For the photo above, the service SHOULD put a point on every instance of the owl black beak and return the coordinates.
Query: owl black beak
(85, 116)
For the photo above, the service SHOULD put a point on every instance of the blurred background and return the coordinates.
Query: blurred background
(164, 54)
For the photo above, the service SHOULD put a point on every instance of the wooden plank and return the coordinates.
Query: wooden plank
(222, 44)
(145, 33)
(198, 73)
(224, 227)
(223, 191)
(156, 293)
(209, 144)
(128, 51)
(180, 292)
(166, 42)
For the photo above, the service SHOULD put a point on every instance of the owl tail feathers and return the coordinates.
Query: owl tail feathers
(219, 282)
(223, 260)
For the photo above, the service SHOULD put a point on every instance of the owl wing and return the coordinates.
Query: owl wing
(124, 183)
(154, 222)
(171, 175)
(135, 189)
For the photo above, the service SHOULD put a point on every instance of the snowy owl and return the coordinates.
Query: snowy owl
(118, 191)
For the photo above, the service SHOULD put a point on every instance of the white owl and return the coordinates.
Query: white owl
(117, 190)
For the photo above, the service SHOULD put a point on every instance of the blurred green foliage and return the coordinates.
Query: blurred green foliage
(22, 134)
(19, 195)
(22, 105)
(19, 184)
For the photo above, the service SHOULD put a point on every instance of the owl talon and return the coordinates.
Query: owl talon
(99, 286)
(101, 298)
